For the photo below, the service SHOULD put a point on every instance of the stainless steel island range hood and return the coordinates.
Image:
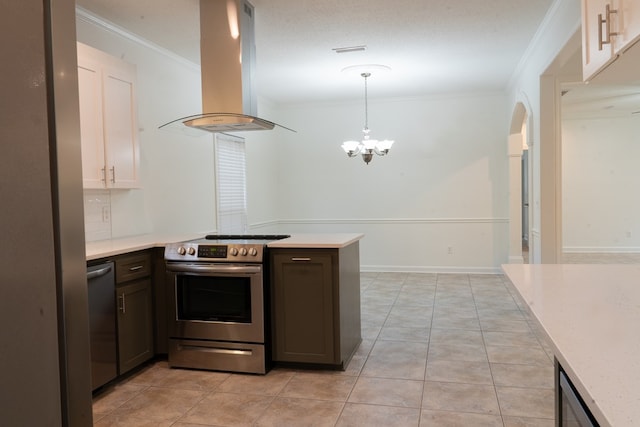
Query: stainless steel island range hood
(227, 60)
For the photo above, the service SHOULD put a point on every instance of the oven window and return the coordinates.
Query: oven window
(219, 299)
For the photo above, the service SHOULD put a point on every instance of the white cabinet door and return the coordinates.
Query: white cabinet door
(629, 19)
(108, 120)
(91, 132)
(595, 54)
(120, 127)
(609, 29)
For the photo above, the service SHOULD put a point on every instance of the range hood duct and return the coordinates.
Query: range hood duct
(227, 60)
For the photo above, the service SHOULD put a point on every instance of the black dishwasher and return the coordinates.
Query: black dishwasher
(102, 323)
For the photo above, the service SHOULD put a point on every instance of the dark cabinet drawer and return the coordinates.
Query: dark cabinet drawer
(133, 266)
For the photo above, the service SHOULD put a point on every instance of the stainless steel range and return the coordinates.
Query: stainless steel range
(218, 305)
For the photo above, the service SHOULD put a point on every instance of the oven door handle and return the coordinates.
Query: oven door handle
(213, 268)
(217, 350)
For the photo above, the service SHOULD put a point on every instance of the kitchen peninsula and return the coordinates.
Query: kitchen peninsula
(118, 246)
(311, 284)
(590, 315)
(315, 299)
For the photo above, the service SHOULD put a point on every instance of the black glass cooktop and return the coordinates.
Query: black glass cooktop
(268, 237)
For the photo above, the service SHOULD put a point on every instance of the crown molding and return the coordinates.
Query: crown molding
(97, 21)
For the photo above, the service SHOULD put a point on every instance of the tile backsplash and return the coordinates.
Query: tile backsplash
(97, 215)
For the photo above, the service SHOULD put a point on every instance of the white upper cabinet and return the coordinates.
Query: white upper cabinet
(610, 30)
(596, 54)
(629, 29)
(108, 120)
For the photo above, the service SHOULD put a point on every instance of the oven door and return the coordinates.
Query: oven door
(222, 302)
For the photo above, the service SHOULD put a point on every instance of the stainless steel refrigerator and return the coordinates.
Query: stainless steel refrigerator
(44, 338)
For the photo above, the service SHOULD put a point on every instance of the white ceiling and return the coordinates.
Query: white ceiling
(582, 101)
(431, 46)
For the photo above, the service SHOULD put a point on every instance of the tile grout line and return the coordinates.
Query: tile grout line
(344, 405)
(426, 362)
(484, 344)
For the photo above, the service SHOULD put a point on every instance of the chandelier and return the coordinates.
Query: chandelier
(367, 147)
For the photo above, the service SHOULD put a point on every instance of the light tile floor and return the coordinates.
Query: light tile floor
(437, 350)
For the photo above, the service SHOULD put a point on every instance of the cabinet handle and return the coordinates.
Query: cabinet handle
(104, 174)
(136, 268)
(607, 24)
(122, 308)
(300, 259)
(113, 174)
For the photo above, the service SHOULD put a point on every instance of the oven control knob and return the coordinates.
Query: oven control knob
(191, 251)
(182, 250)
(233, 251)
(243, 251)
(253, 252)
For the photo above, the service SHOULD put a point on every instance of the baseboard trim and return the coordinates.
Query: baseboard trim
(428, 269)
(601, 250)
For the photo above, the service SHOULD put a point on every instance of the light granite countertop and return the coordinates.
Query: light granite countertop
(328, 240)
(591, 315)
(113, 247)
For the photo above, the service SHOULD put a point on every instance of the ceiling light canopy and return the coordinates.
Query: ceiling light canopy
(366, 68)
(367, 146)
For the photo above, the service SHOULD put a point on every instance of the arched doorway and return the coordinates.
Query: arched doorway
(519, 186)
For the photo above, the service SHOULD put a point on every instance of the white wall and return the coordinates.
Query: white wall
(534, 74)
(591, 197)
(176, 171)
(443, 184)
(437, 202)
(262, 156)
(601, 203)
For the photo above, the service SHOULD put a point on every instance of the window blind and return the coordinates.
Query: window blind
(231, 192)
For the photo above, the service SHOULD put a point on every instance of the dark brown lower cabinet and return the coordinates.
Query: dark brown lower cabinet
(303, 308)
(135, 327)
(316, 305)
(134, 299)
